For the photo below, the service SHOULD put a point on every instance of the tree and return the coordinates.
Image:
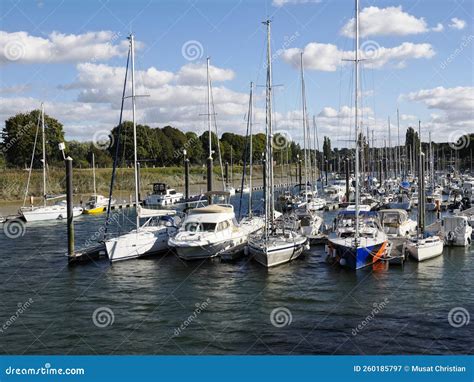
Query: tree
(327, 148)
(18, 137)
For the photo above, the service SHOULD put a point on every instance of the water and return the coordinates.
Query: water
(162, 305)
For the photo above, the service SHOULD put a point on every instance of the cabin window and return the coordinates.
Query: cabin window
(200, 227)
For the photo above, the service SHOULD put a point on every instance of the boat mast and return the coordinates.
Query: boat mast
(135, 159)
(269, 200)
(303, 101)
(399, 161)
(251, 148)
(209, 123)
(93, 173)
(44, 154)
(356, 119)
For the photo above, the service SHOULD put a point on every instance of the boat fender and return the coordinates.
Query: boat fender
(451, 236)
(342, 262)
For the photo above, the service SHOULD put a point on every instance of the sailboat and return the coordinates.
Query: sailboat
(212, 230)
(54, 212)
(229, 187)
(422, 246)
(310, 221)
(277, 244)
(358, 239)
(96, 203)
(153, 235)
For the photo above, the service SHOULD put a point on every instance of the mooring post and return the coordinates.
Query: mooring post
(70, 215)
(347, 180)
(138, 183)
(300, 177)
(226, 173)
(186, 177)
(209, 174)
(327, 164)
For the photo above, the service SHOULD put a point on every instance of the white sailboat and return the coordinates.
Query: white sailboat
(358, 240)
(153, 235)
(423, 247)
(276, 244)
(54, 212)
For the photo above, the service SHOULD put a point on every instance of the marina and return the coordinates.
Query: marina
(200, 220)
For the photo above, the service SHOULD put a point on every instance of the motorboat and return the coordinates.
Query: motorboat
(396, 223)
(456, 231)
(163, 196)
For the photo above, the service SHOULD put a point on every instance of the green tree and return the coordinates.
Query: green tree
(18, 137)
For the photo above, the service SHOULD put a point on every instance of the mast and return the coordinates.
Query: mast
(93, 172)
(269, 200)
(389, 149)
(315, 155)
(303, 101)
(356, 120)
(251, 147)
(209, 123)
(44, 154)
(399, 160)
(135, 160)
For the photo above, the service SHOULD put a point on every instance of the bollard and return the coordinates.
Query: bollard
(70, 215)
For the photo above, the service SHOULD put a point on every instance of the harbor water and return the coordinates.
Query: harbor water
(162, 305)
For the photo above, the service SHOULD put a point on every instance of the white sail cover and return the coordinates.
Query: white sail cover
(150, 212)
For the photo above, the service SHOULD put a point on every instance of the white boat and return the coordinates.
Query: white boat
(163, 196)
(45, 212)
(422, 249)
(396, 223)
(275, 244)
(96, 204)
(230, 190)
(433, 202)
(309, 221)
(208, 231)
(334, 193)
(456, 231)
(400, 202)
(152, 236)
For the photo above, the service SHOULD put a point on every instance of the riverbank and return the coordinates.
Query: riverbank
(13, 181)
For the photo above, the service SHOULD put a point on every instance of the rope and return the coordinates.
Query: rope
(32, 159)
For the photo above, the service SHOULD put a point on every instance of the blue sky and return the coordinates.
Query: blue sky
(419, 58)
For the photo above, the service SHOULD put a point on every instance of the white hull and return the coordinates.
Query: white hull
(145, 241)
(277, 250)
(424, 250)
(48, 213)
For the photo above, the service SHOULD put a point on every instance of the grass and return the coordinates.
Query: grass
(13, 181)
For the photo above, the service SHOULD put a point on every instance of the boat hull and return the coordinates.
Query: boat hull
(425, 252)
(276, 252)
(49, 213)
(356, 258)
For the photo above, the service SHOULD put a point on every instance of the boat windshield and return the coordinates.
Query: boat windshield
(200, 227)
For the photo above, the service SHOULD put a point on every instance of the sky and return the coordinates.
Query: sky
(71, 55)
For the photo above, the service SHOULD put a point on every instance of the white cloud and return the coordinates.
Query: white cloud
(328, 57)
(438, 28)
(457, 23)
(281, 3)
(21, 47)
(376, 21)
(195, 74)
(454, 108)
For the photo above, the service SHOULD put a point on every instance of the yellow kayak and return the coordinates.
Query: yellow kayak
(94, 211)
